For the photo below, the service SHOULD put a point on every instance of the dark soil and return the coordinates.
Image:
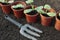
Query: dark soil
(18, 8)
(32, 12)
(45, 15)
(9, 31)
(58, 17)
(5, 3)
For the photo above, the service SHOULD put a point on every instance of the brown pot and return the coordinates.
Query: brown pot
(46, 21)
(31, 18)
(6, 8)
(57, 24)
(19, 13)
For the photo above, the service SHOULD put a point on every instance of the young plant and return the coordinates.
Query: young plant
(7, 1)
(30, 3)
(47, 7)
(18, 6)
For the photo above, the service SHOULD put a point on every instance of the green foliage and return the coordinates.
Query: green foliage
(46, 6)
(51, 14)
(27, 10)
(6, 1)
(18, 6)
(29, 1)
(59, 14)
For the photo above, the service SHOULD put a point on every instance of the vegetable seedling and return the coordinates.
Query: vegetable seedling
(30, 2)
(47, 12)
(7, 1)
(18, 6)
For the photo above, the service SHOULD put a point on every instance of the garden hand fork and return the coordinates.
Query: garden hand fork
(25, 28)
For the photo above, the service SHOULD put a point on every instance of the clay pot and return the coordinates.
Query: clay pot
(46, 21)
(19, 12)
(57, 24)
(6, 8)
(31, 18)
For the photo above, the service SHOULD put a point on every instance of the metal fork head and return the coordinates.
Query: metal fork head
(25, 28)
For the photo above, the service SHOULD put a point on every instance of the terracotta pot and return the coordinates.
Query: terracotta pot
(19, 13)
(46, 21)
(57, 24)
(31, 18)
(6, 8)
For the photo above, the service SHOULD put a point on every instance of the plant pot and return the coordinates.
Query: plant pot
(31, 18)
(57, 24)
(6, 8)
(45, 21)
(19, 12)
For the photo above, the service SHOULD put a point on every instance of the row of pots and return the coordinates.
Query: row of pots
(46, 21)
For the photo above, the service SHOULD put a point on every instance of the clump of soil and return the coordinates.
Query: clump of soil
(32, 12)
(18, 8)
(5, 3)
(58, 17)
(45, 15)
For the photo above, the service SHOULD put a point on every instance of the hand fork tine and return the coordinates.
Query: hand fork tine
(33, 28)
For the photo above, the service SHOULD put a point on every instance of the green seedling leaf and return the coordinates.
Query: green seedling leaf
(48, 7)
(51, 14)
(40, 11)
(39, 8)
(14, 6)
(27, 10)
(29, 1)
(59, 14)
(18, 6)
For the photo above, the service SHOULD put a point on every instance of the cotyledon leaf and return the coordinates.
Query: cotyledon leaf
(27, 10)
(51, 14)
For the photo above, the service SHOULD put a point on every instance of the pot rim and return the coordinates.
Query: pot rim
(57, 19)
(46, 17)
(32, 15)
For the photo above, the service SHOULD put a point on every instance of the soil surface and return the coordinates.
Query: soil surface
(9, 31)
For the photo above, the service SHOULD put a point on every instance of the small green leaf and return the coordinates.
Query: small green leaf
(27, 10)
(59, 14)
(14, 6)
(48, 7)
(39, 8)
(18, 6)
(51, 14)
(29, 1)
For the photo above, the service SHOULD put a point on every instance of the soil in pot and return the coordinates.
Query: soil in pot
(32, 12)
(18, 8)
(31, 17)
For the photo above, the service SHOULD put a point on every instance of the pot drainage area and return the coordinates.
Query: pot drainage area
(9, 31)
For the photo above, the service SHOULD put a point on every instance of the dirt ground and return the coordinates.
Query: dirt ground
(9, 31)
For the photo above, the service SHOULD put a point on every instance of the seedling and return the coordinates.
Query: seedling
(7, 1)
(18, 6)
(30, 3)
(47, 7)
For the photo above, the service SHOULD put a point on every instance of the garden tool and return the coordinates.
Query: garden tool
(25, 28)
